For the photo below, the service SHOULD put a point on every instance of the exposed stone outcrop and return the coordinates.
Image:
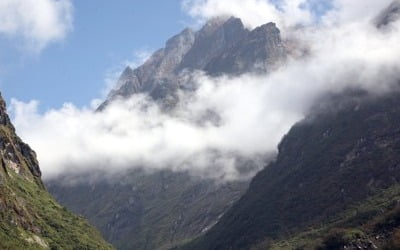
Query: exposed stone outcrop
(221, 46)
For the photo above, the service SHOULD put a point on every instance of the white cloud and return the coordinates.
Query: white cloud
(355, 10)
(252, 12)
(255, 110)
(36, 22)
(286, 13)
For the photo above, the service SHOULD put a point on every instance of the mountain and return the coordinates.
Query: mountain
(334, 184)
(221, 46)
(29, 217)
(149, 210)
(161, 209)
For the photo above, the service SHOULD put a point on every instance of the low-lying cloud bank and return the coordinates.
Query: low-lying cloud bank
(345, 50)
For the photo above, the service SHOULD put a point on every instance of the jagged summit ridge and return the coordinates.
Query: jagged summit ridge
(211, 40)
(221, 46)
(260, 51)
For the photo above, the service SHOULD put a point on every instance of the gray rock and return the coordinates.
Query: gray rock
(214, 38)
(221, 46)
(260, 50)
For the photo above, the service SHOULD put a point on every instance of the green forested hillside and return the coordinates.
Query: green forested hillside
(29, 217)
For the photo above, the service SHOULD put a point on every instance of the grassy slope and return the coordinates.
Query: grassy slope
(373, 222)
(33, 213)
(29, 217)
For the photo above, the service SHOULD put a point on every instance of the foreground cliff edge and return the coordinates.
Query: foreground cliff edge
(29, 217)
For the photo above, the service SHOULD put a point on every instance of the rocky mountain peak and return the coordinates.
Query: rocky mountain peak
(127, 84)
(222, 46)
(260, 51)
(267, 29)
(174, 51)
(211, 26)
(212, 39)
(234, 28)
(128, 71)
(126, 75)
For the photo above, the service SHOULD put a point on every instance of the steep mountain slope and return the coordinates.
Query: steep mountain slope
(336, 165)
(221, 46)
(150, 211)
(29, 217)
(162, 209)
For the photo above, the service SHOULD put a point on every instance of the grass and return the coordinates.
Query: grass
(30, 218)
(377, 215)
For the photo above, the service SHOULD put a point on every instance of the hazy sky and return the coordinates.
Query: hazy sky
(71, 65)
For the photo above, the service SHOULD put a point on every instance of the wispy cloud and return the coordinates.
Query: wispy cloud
(36, 22)
(252, 12)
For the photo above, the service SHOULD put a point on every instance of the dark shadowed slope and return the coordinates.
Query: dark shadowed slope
(327, 164)
(149, 210)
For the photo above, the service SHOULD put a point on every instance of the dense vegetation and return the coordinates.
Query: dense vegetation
(32, 219)
(370, 224)
(29, 217)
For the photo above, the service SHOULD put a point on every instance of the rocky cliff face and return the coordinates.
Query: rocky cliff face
(16, 156)
(260, 51)
(221, 46)
(214, 38)
(29, 216)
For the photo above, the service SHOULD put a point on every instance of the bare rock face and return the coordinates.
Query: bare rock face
(129, 84)
(176, 48)
(221, 46)
(214, 38)
(15, 155)
(258, 52)
(159, 67)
